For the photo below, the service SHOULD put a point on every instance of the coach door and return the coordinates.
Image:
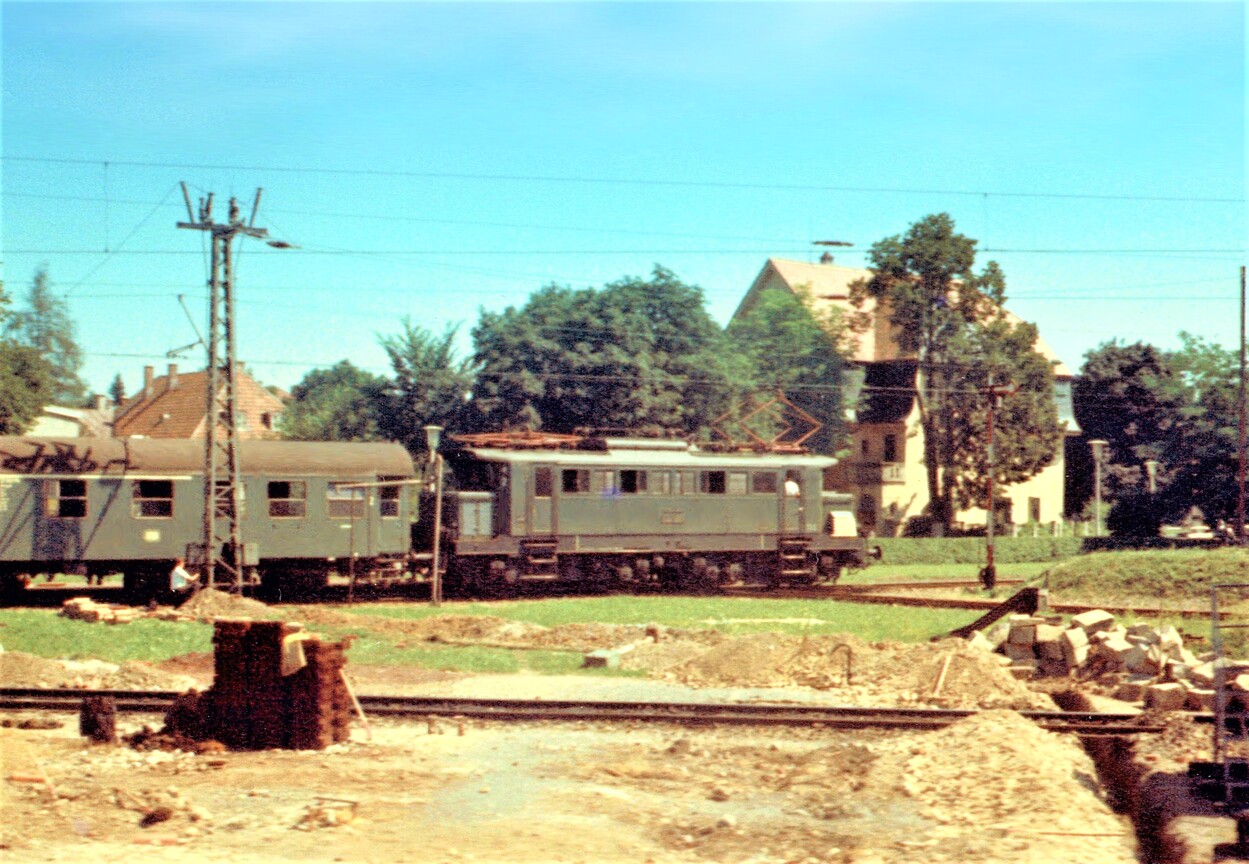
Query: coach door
(541, 509)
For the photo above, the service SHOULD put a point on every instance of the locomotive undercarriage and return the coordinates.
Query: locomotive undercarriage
(639, 570)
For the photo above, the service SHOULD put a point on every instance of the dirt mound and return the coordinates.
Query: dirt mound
(948, 674)
(18, 669)
(211, 603)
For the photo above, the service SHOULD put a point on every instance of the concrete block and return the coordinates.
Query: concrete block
(1240, 683)
(1093, 621)
(1075, 645)
(1131, 691)
(1202, 674)
(1165, 697)
(1199, 699)
(1015, 651)
(1022, 634)
(997, 634)
(979, 641)
(604, 658)
(1051, 667)
(1048, 632)
(1050, 650)
(1118, 653)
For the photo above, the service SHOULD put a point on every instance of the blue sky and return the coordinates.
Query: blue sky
(432, 160)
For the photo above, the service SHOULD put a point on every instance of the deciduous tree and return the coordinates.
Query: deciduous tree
(430, 386)
(341, 403)
(44, 325)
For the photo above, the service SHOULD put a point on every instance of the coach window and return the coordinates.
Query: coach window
(152, 499)
(712, 482)
(543, 482)
(344, 502)
(67, 499)
(288, 499)
(633, 482)
(576, 481)
(388, 498)
(763, 483)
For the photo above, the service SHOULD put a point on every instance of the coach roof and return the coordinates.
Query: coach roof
(118, 456)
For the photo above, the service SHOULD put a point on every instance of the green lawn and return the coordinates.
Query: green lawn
(47, 634)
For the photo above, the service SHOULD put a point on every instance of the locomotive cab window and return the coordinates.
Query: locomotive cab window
(763, 483)
(543, 482)
(737, 483)
(152, 499)
(344, 502)
(67, 499)
(288, 499)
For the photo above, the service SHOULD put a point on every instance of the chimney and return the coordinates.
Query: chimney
(148, 373)
(101, 402)
(173, 377)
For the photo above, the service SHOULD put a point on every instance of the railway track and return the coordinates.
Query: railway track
(686, 713)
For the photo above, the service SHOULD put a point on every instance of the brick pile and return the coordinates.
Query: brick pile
(86, 609)
(252, 705)
(1137, 663)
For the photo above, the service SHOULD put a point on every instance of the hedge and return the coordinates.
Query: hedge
(970, 550)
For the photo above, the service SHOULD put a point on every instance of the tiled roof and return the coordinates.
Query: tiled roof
(829, 285)
(178, 411)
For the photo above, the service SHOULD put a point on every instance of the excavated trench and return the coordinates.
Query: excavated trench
(1154, 800)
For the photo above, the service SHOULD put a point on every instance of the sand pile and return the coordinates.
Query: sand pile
(210, 603)
(18, 669)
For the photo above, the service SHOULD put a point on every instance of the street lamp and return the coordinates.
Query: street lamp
(1151, 471)
(433, 435)
(1098, 446)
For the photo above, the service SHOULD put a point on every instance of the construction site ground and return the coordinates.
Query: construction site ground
(991, 788)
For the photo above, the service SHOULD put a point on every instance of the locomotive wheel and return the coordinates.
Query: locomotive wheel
(710, 581)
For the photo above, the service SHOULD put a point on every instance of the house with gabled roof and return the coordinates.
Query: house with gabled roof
(175, 405)
(884, 468)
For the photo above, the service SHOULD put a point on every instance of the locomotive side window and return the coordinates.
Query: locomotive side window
(737, 483)
(576, 481)
(603, 482)
(288, 499)
(633, 482)
(763, 483)
(689, 482)
(712, 482)
(344, 503)
(152, 499)
(543, 482)
(67, 499)
(659, 482)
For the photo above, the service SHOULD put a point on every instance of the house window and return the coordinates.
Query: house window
(67, 499)
(152, 499)
(543, 482)
(891, 448)
(763, 483)
(266, 420)
(288, 499)
(633, 482)
(712, 482)
(344, 502)
(864, 448)
(1034, 509)
(576, 481)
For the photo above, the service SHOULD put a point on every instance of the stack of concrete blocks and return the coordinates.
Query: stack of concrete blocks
(1141, 663)
(253, 706)
(86, 609)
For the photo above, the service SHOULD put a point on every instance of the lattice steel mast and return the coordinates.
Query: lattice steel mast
(223, 546)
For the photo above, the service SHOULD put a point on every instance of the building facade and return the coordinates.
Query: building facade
(175, 405)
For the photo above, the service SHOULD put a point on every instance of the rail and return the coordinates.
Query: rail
(689, 713)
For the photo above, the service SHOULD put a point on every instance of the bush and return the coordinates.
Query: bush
(970, 550)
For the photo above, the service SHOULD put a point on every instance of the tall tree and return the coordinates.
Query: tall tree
(637, 353)
(25, 380)
(1026, 431)
(926, 283)
(430, 385)
(801, 353)
(44, 325)
(117, 390)
(342, 403)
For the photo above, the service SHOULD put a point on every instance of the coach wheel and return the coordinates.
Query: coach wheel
(642, 567)
(710, 582)
(624, 574)
(734, 573)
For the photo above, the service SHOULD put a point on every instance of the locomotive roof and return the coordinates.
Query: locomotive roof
(117, 456)
(646, 458)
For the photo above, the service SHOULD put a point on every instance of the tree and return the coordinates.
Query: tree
(45, 326)
(25, 380)
(342, 403)
(1132, 398)
(430, 386)
(117, 390)
(635, 354)
(926, 283)
(800, 353)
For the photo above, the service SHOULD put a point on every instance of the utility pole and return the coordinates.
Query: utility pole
(988, 575)
(223, 545)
